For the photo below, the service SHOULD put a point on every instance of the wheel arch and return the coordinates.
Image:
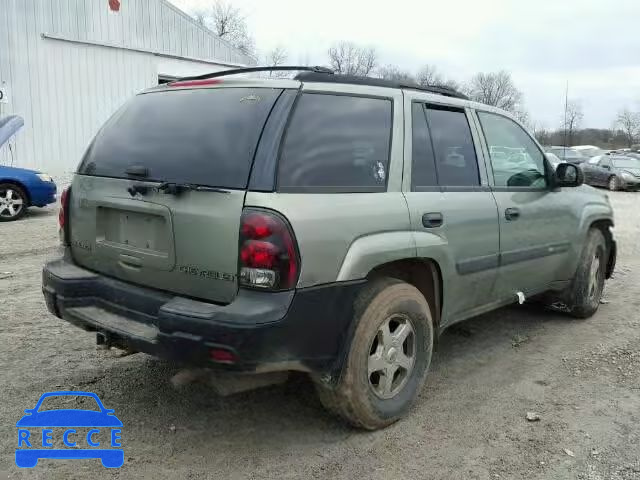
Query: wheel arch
(17, 183)
(605, 225)
(423, 273)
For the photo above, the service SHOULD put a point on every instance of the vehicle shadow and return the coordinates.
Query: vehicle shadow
(289, 415)
(35, 212)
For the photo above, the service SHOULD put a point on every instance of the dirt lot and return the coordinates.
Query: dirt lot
(582, 377)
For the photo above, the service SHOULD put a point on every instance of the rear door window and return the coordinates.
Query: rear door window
(200, 136)
(423, 166)
(455, 154)
(336, 143)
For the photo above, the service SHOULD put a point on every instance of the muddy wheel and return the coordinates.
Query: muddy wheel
(389, 356)
(588, 283)
(614, 184)
(13, 202)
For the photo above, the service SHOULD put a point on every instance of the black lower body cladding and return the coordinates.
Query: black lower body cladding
(306, 329)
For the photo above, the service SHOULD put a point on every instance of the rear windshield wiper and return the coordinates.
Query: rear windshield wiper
(178, 188)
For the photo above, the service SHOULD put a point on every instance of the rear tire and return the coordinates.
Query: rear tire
(13, 202)
(613, 183)
(389, 356)
(587, 286)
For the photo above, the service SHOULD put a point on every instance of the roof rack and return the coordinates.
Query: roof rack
(324, 74)
(238, 71)
(313, 76)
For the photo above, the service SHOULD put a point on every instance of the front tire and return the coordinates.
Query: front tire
(13, 202)
(588, 283)
(614, 183)
(389, 356)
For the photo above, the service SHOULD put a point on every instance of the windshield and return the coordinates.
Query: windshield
(626, 163)
(201, 136)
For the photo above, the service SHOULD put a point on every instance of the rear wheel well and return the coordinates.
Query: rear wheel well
(424, 274)
(20, 185)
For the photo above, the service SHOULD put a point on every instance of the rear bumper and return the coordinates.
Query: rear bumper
(306, 329)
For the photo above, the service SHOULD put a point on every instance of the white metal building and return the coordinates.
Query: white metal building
(67, 65)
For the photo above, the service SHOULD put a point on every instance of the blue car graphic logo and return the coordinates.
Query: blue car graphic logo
(74, 428)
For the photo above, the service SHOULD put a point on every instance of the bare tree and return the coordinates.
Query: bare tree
(496, 89)
(200, 16)
(392, 72)
(541, 133)
(276, 57)
(571, 121)
(429, 76)
(350, 59)
(523, 117)
(629, 123)
(229, 23)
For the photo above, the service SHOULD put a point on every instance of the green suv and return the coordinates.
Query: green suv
(327, 224)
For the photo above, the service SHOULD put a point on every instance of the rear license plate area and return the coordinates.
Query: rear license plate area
(132, 230)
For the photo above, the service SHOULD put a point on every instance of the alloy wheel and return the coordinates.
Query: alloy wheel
(11, 203)
(392, 355)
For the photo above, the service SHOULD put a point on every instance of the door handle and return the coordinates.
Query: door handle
(432, 220)
(512, 214)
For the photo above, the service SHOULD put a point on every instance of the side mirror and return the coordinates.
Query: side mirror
(568, 175)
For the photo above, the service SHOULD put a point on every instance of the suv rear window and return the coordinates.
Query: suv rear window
(200, 136)
(336, 143)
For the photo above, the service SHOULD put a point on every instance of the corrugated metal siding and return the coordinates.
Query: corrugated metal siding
(154, 25)
(65, 91)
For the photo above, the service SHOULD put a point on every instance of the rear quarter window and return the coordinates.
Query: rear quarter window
(336, 143)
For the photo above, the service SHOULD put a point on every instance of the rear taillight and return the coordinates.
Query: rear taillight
(268, 251)
(63, 216)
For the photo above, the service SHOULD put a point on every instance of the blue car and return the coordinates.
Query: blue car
(29, 449)
(21, 188)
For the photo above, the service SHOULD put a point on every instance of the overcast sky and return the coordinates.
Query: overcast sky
(592, 44)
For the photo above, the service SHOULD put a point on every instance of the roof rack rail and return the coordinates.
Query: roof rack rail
(238, 71)
(314, 76)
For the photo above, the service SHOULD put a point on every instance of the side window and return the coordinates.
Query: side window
(336, 143)
(455, 155)
(423, 166)
(516, 159)
(605, 162)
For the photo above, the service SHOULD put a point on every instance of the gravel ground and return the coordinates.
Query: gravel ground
(581, 377)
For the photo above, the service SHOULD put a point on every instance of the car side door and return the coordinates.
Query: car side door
(537, 222)
(450, 203)
(603, 171)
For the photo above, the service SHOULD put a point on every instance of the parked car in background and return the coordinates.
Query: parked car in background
(21, 188)
(553, 159)
(567, 154)
(615, 172)
(588, 150)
